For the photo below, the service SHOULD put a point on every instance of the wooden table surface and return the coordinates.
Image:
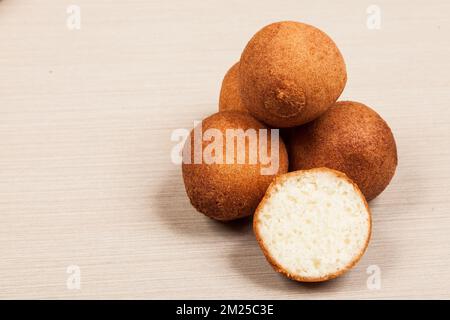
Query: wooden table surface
(86, 117)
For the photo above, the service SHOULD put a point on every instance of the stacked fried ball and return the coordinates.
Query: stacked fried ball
(314, 222)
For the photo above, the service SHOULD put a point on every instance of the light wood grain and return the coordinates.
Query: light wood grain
(85, 122)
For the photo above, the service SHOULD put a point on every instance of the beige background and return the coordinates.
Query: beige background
(85, 122)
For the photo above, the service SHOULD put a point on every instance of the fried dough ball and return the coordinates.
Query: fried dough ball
(230, 95)
(349, 137)
(290, 73)
(227, 184)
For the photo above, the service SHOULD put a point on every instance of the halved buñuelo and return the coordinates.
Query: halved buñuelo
(313, 225)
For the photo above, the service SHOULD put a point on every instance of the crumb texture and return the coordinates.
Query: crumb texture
(313, 224)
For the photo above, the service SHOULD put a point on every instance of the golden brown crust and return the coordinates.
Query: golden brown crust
(290, 73)
(349, 137)
(264, 249)
(229, 191)
(230, 95)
